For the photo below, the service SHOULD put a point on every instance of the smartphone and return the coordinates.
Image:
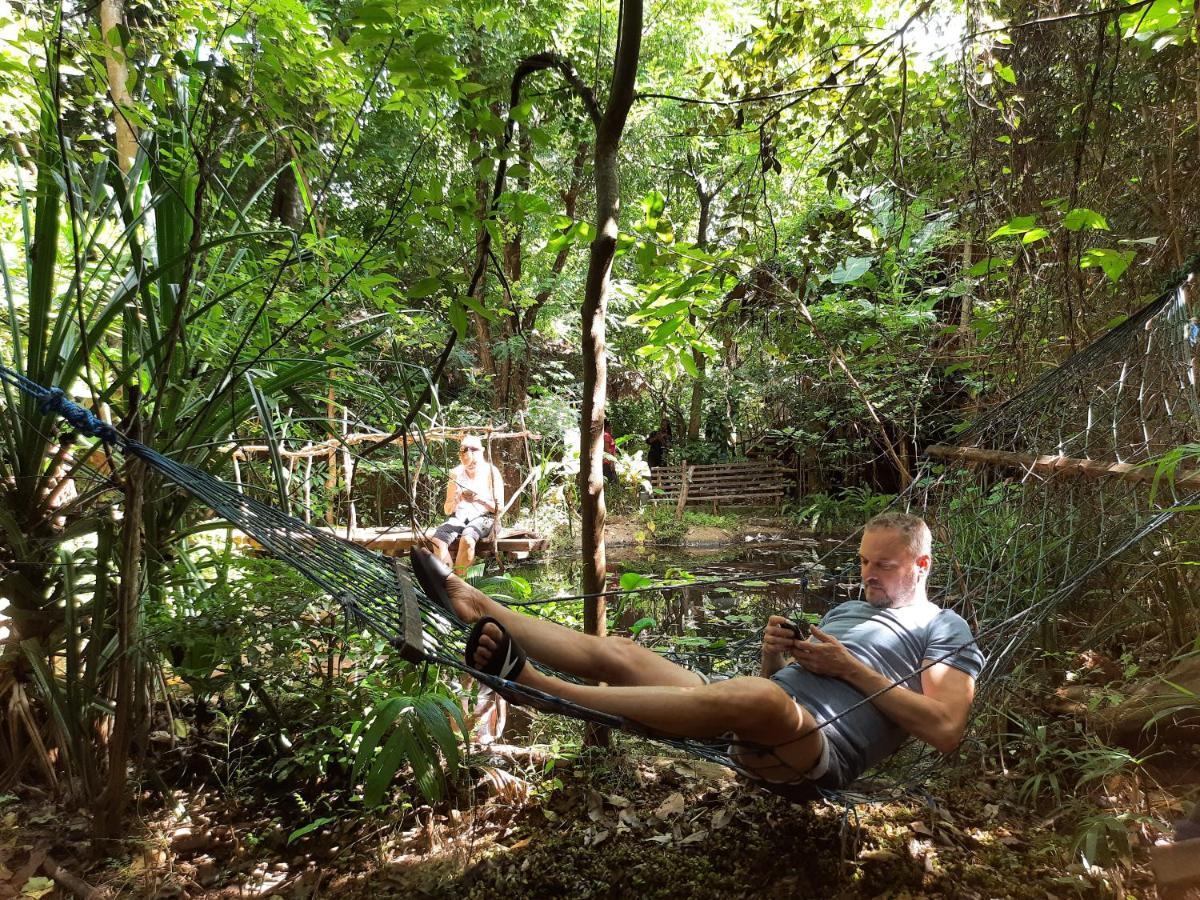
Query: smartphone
(801, 631)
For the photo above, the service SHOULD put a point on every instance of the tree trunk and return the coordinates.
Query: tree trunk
(595, 306)
(112, 20)
(287, 206)
(109, 808)
(696, 413)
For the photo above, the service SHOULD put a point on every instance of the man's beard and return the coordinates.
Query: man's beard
(883, 600)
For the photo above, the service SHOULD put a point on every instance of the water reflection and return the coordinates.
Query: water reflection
(715, 626)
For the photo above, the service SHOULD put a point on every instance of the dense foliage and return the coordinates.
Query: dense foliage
(845, 229)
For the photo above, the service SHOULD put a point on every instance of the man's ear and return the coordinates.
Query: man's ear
(925, 562)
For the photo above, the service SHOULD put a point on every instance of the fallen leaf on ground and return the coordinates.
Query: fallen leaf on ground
(629, 819)
(882, 854)
(672, 806)
(921, 828)
(37, 887)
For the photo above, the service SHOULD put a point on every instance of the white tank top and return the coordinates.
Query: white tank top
(484, 485)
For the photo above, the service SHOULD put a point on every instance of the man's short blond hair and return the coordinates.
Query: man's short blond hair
(918, 539)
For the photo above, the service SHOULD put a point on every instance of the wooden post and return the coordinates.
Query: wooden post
(499, 512)
(308, 464)
(331, 461)
(348, 467)
(685, 476)
(237, 473)
(533, 493)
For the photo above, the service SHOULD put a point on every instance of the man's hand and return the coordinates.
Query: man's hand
(826, 656)
(779, 636)
(779, 642)
(467, 494)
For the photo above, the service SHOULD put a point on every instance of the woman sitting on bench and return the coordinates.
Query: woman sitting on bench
(474, 494)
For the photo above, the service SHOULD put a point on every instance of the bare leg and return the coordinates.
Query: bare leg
(614, 660)
(440, 550)
(756, 710)
(466, 555)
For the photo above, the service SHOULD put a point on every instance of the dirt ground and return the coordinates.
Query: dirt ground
(606, 823)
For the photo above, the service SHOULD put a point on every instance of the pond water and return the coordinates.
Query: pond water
(713, 614)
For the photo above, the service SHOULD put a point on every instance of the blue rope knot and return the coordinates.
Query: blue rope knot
(82, 420)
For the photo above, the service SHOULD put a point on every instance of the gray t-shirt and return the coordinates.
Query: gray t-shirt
(893, 642)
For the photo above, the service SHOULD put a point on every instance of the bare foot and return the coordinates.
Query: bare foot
(470, 604)
(489, 640)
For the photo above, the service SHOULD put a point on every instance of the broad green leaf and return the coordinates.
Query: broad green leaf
(641, 625)
(1145, 23)
(1016, 225)
(381, 719)
(851, 269)
(309, 828)
(1084, 218)
(383, 770)
(1006, 73)
(1113, 262)
(1035, 235)
(988, 266)
(438, 727)
(689, 364)
(632, 581)
(424, 288)
(666, 329)
(654, 203)
(458, 319)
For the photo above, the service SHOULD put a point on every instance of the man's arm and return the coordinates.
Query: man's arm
(938, 716)
(451, 496)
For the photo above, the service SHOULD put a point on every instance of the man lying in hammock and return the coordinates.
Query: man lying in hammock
(861, 649)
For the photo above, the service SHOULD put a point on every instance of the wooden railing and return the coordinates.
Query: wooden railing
(749, 483)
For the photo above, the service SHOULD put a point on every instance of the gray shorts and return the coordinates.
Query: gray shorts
(832, 771)
(829, 770)
(476, 529)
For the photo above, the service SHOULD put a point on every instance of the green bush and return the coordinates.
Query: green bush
(848, 509)
(659, 521)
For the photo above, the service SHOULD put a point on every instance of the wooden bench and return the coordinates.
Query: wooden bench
(747, 483)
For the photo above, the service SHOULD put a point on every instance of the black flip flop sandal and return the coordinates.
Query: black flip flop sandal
(431, 573)
(508, 659)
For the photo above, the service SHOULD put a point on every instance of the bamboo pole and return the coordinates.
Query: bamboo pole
(1055, 463)
(308, 467)
(337, 443)
(348, 468)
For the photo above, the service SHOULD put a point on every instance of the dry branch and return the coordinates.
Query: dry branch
(1064, 464)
